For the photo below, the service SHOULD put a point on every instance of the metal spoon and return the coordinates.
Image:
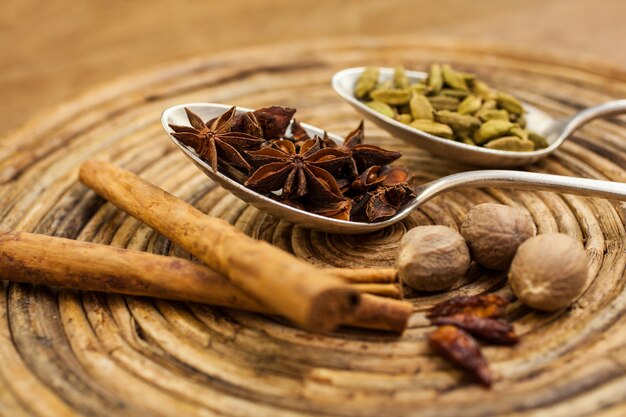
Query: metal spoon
(471, 179)
(556, 131)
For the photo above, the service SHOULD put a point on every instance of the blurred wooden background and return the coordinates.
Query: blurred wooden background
(51, 50)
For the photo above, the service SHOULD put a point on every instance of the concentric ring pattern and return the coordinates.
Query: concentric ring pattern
(71, 353)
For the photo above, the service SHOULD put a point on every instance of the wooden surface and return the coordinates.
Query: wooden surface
(53, 50)
(65, 353)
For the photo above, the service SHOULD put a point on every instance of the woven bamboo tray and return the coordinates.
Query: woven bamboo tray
(68, 353)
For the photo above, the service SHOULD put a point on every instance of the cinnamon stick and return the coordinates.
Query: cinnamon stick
(305, 294)
(367, 275)
(384, 290)
(40, 259)
(381, 313)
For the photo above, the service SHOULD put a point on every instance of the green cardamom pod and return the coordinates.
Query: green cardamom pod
(392, 96)
(384, 85)
(421, 107)
(461, 124)
(433, 128)
(471, 104)
(399, 78)
(404, 118)
(482, 90)
(468, 76)
(444, 103)
(467, 141)
(492, 129)
(489, 104)
(453, 78)
(419, 88)
(451, 92)
(404, 109)
(539, 140)
(435, 78)
(366, 82)
(382, 108)
(487, 115)
(521, 120)
(519, 132)
(511, 143)
(509, 103)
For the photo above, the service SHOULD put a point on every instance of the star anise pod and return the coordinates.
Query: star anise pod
(299, 134)
(386, 201)
(337, 210)
(364, 156)
(298, 173)
(274, 120)
(216, 139)
(250, 125)
(368, 179)
(327, 142)
(395, 175)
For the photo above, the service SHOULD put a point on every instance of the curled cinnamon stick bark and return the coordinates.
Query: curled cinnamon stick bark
(384, 290)
(367, 275)
(306, 295)
(40, 259)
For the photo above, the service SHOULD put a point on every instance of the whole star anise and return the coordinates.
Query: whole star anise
(298, 173)
(364, 156)
(216, 139)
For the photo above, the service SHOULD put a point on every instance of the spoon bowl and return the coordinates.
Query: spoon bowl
(207, 111)
(555, 131)
(472, 179)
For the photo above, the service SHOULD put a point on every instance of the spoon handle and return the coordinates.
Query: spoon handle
(524, 181)
(606, 109)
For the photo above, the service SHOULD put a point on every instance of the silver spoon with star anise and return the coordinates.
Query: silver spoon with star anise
(177, 116)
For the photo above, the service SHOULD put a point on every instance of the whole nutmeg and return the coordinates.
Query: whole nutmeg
(432, 258)
(549, 271)
(494, 232)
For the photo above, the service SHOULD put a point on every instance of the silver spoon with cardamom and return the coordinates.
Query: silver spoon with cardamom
(554, 130)
(473, 179)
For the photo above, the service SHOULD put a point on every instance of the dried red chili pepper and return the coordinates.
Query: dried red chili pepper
(487, 306)
(493, 330)
(460, 348)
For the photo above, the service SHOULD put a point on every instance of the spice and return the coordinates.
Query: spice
(492, 330)
(311, 297)
(432, 258)
(460, 319)
(486, 306)
(216, 139)
(78, 265)
(346, 182)
(460, 348)
(549, 271)
(452, 105)
(494, 232)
